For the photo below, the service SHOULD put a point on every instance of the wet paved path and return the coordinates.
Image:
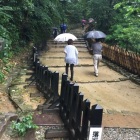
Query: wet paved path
(119, 97)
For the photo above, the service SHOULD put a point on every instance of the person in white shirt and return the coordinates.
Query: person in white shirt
(71, 57)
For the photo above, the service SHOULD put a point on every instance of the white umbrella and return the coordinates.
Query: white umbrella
(65, 37)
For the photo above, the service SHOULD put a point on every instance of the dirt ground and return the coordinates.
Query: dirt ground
(107, 90)
(5, 104)
(111, 90)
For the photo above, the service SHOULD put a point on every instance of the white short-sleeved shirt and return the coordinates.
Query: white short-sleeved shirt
(71, 54)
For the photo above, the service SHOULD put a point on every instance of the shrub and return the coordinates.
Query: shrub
(20, 127)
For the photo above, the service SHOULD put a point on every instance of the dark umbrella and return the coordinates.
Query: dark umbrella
(95, 34)
(85, 35)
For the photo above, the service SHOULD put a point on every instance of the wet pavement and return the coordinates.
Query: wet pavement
(115, 92)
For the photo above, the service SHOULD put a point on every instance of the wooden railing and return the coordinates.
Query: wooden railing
(77, 114)
(123, 58)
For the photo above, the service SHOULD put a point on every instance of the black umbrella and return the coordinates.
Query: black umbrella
(95, 34)
(85, 35)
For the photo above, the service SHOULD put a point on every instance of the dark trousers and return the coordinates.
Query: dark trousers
(71, 70)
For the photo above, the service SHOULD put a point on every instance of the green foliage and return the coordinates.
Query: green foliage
(76, 10)
(22, 126)
(126, 31)
(102, 12)
(26, 21)
(1, 76)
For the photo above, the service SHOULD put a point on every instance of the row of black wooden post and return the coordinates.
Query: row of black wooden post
(47, 82)
(76, 113)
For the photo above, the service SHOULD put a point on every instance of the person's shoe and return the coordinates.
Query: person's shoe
(96, 74)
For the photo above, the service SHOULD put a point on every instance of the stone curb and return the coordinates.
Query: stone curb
(6, 118)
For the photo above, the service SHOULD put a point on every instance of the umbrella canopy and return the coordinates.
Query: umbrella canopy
(95, 34)
(90, 20)
(85, 35)
(84, 21)
(65, 37)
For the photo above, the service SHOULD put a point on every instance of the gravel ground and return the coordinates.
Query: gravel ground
(108, 134)
(121, 134)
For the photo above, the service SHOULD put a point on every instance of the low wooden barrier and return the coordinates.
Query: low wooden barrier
(47, 82)
(123, 58)
(77, 114)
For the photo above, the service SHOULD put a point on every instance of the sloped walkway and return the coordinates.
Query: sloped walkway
(116, 93)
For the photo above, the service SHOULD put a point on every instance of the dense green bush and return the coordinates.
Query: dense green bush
(126, 31)
(26, 21)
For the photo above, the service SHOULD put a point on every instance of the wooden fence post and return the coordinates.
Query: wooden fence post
(85, 120)
(96, 116)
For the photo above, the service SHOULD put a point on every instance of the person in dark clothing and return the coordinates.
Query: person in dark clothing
(89, 27)
(55, 32)
(63, 28)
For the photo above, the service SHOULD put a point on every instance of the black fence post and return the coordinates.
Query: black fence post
(66, 101)
(72, 124)
(64, 83)
(48, 84)
(54, 90)
(96, 116)
(44, 78)
(79, 116)
(63, 86)
(69, 101)
(85, 119)
(39, 77)
(73, 102)
(55, 84)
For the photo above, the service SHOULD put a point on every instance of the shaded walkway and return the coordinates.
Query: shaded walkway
(112, 90)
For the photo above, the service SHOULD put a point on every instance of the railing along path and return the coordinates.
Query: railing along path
(75, 112)
(78, 108)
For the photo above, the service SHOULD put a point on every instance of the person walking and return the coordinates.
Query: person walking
(71, 57)
(83, 23)
(55, 32)
(89, 27)
(97, 55)
(63, 28)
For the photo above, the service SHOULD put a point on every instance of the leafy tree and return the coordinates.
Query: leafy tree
(23, 21)
(126, 31)
(102, 12)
